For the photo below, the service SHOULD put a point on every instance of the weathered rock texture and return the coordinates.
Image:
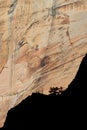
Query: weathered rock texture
(42, 43)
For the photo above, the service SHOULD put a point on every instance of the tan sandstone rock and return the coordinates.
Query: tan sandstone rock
(42, 43)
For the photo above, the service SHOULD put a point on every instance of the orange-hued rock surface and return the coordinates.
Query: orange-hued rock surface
(42, 43)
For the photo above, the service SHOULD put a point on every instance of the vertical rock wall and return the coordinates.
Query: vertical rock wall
(42, 43)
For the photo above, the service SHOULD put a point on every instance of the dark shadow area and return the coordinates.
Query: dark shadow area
(78, 86)
(39, 111)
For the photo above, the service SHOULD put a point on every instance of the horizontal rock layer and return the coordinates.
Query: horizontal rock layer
(42, 44)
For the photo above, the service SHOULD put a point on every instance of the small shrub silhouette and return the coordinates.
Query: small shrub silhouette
(55, 90)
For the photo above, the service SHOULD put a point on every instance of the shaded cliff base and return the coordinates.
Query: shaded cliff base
(39, 111)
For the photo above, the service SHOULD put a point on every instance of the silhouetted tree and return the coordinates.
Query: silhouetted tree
(55, 90)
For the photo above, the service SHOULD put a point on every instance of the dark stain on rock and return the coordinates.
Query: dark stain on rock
(53, 12)
(45, 61)
(37, 47)
(37, 81)
(12, 7)
(60, 28)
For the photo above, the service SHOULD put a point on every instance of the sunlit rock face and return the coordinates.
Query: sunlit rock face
(42, 43)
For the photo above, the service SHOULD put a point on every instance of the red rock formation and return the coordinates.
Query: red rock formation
(41, 45)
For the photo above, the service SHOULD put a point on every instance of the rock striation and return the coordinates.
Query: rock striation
(42, 43)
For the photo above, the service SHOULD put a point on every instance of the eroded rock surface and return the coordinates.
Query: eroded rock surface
(42, 43)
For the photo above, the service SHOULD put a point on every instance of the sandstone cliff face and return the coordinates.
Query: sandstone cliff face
(42, 43)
